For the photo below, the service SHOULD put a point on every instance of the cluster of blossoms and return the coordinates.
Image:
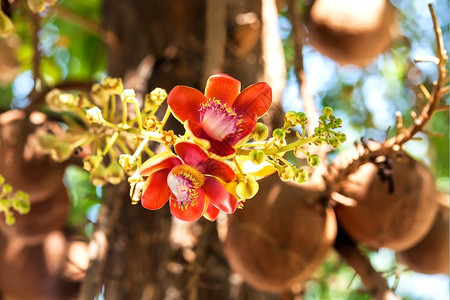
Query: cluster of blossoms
(214, 166)
(12, 201)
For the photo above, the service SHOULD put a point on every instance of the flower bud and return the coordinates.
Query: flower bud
(94, 115)
(60, 101)
(341, 137)
(313, 160)
(2, 179)
(257, 156)
(9, 219)
(150, 124)
(128, 96)
(301, 118)
(301, 176)
(318, 131)
(337, 123)
(334, 142)
(158, 96)
(7, 188)
(290, 119)
(260, 132)
(21, 202)
(285, 172)
(169, 137)
(99, 176)
(327, 111)
(61, 151)
(99, 94)
(128, 162)
(114, 173)
(112, 85)
(279, 134)
(247, 188)
(92, 162)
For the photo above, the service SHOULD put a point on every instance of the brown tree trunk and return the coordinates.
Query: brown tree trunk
(162, 44)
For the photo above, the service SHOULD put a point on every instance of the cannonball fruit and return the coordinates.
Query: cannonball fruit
(280, 236)
(351, 31)
(394, 202)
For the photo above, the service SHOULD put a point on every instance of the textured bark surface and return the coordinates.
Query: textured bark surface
(164, 41)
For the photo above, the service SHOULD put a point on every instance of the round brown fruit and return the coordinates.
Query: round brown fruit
(280, 236)
(395, 212)
(22, 166)
(38, 272)
(430, 255)
(44, 216)
(351, 31)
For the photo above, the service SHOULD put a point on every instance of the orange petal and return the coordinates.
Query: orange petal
(218, 196)
(254, 101)
(189, 213)
(163, 160)
(156, 191)
(218, 169)
(185, 103)
(211, 212)
(190, 153)
(222, 87)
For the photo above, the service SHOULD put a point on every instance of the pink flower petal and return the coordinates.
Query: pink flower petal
(222, 87)
(254, 101)
(185, 103)
(156, 192)
(218, 169)
(189, 213)
(190, 153)
(163, 160)
(245, 129)
(218, 195)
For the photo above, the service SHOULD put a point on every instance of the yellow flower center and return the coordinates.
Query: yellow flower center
(183, 181)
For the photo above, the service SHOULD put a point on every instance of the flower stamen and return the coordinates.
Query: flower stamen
(218, 120)
(184, 182)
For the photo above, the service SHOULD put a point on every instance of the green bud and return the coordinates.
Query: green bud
(257, 156)
(92, 162)
(48, 141)
(301, 118)
(318, 131)
(99, 176)
(327, 111)
(334, 142)
(21, 202)
(341, 137)
(313, 160)
(285, 172)
(279, 134)
(114, 173)
(337, 123)
(61, 152)
(9, 219)
(260, 132)
(247, 188)
(301, 176)
(290, 119)
(7, 188)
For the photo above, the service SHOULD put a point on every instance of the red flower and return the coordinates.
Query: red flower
(223, 116)
(189, 181)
